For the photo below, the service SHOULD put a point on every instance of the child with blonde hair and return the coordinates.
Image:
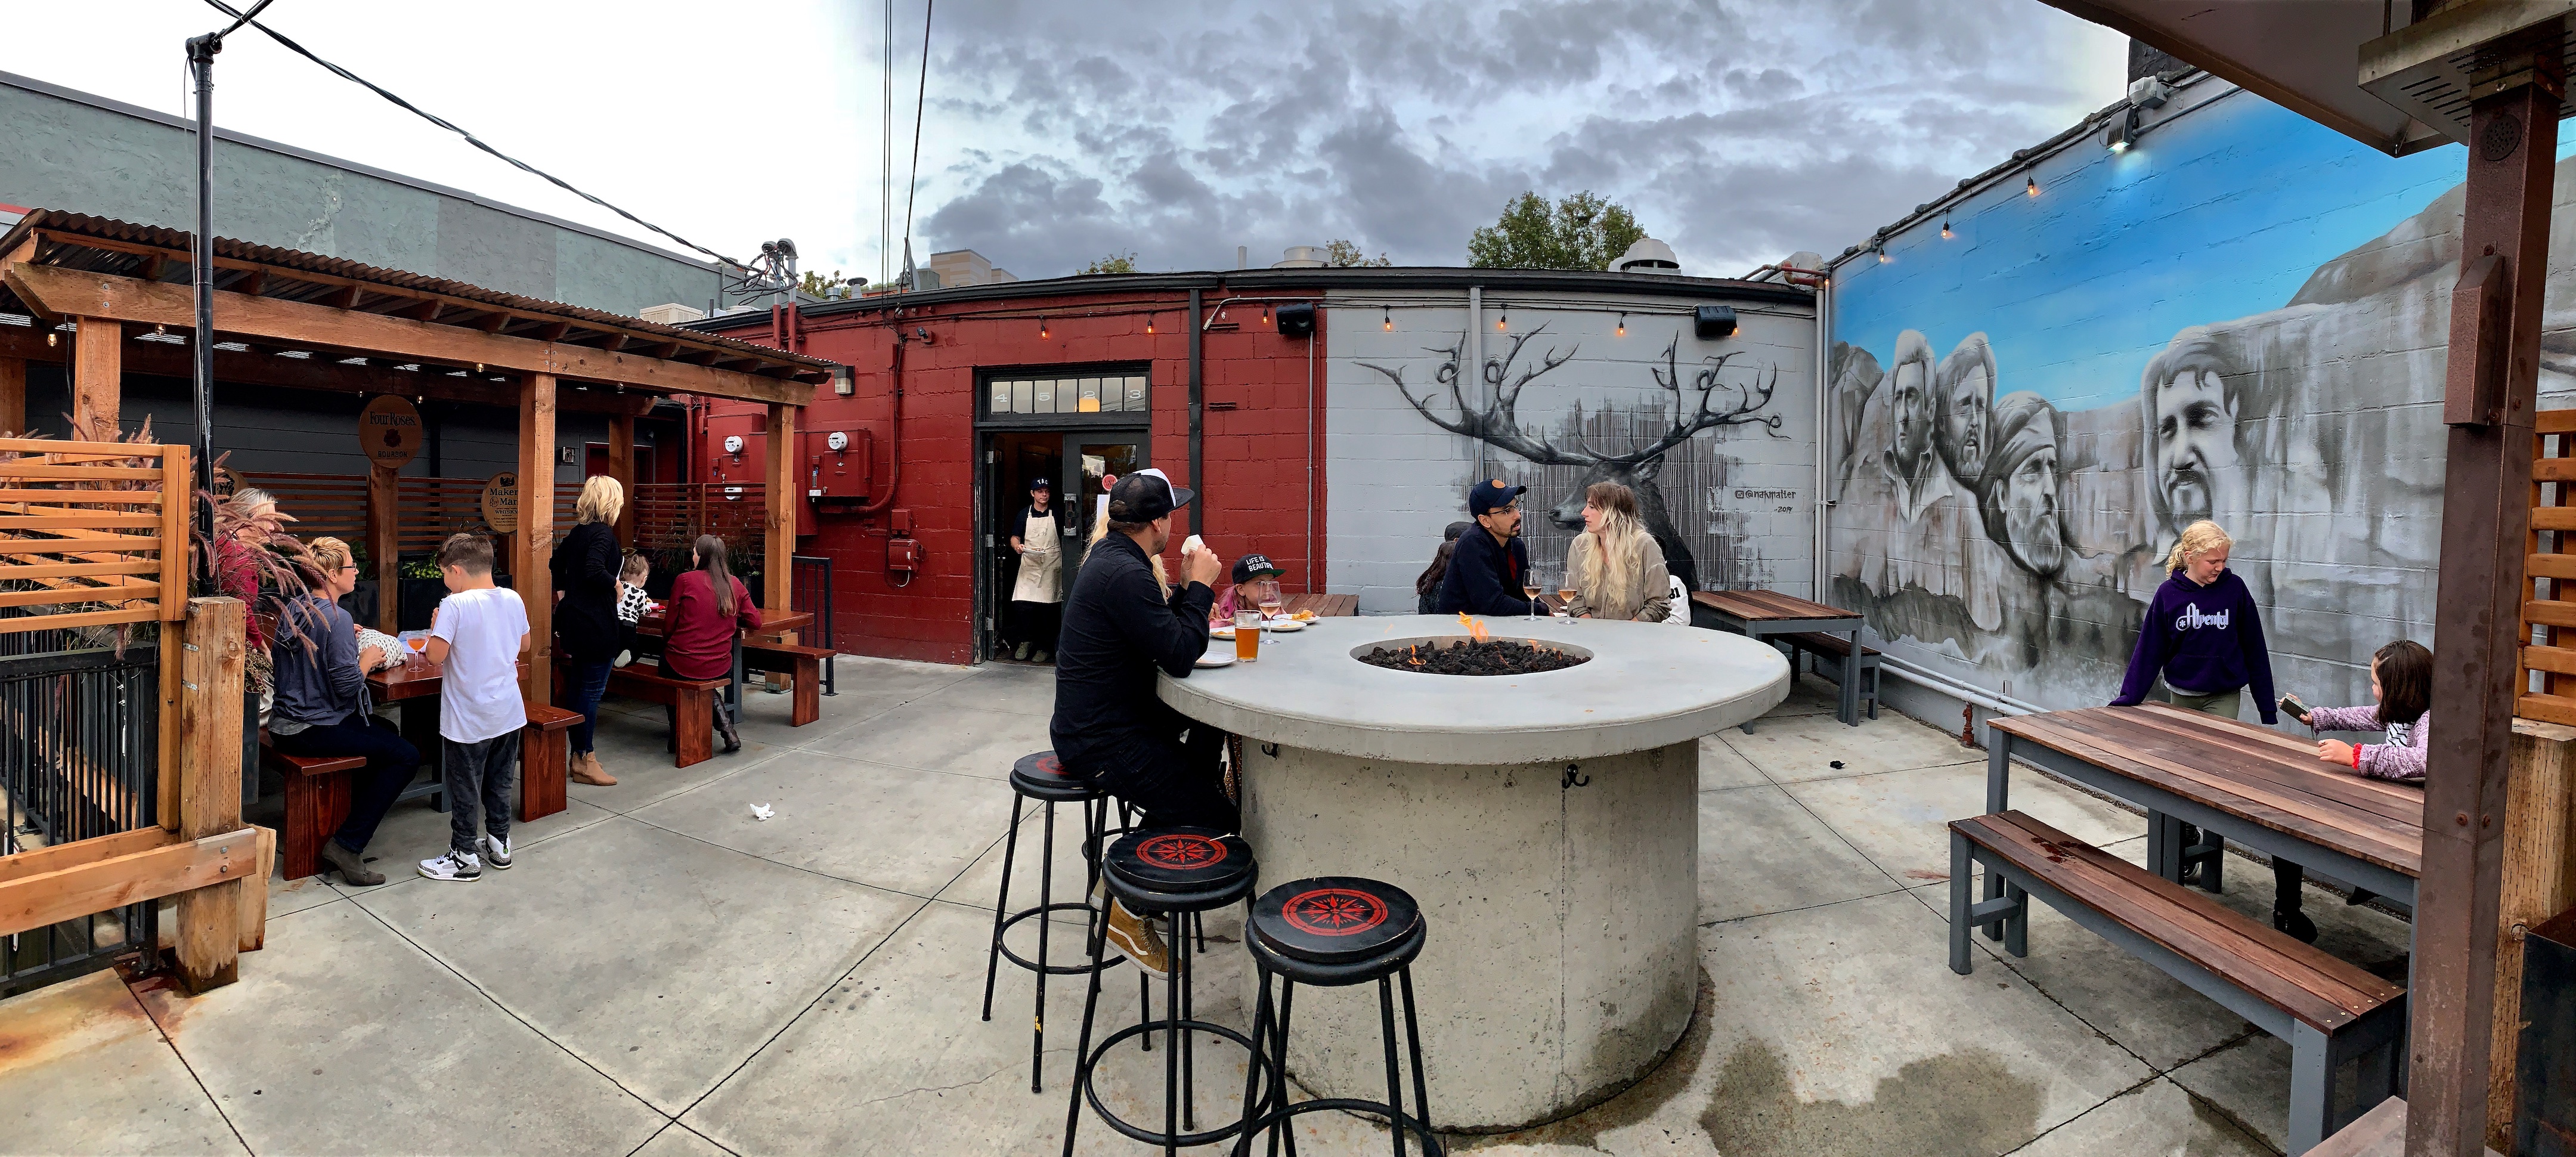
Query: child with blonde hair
(2202, 634)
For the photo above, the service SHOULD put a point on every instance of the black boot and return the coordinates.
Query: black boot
(724, 727)
(2286, 901)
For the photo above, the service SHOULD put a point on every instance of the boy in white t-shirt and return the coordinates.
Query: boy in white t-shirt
(477, 636)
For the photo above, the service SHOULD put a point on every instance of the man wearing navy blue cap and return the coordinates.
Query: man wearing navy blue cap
(1120, 627)
(1486, 570)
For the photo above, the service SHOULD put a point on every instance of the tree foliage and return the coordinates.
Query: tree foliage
(1583, 231)
(814, 284)
(1114, 263)
(1342, 254)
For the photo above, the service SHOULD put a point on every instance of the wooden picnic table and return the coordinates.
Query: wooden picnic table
(2253, 785)
(770, 625)
(416, 683)
(1761, 614)
(1325, 606)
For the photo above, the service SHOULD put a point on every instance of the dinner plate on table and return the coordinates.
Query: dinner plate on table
(1282, 625)
(1225, 633)
(1217, 659)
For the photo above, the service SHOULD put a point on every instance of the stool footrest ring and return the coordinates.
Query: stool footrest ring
(1430, 1141)
(1052, 969)
(1090, 1065)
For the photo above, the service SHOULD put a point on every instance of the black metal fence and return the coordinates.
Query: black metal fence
(79, 759)
(812, 593)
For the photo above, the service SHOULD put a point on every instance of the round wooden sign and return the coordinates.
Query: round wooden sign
(389, 431)
(501, 502)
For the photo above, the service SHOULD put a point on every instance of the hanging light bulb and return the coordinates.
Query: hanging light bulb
(1265, 313)
(1042, 327)
(52, 338)
(1389, 312)
(160, 330)
(1502, 321)
(1623, 325)
(2030, 185)
(1149, 323)
(1945, 230)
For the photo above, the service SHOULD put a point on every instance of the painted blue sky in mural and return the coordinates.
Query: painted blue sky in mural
(2219, 213)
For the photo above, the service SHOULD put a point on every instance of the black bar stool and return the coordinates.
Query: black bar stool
(1042, 778)
(1179, 872)
(1333, 932)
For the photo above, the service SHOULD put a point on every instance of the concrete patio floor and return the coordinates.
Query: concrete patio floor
(663, 974)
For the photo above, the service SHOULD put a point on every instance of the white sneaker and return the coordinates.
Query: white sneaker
(455, 865)
(496, 852)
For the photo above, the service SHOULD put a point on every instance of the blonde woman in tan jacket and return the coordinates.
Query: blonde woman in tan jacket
(1614, 566)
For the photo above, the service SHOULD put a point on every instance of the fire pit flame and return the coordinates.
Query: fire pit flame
(1482, 655)
(1475, 627)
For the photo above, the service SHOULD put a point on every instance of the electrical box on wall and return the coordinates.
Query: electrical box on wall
(838, 466)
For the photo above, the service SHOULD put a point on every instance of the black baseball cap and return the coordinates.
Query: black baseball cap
(1043, 483)
(1145, 496)
(1491, 494)
(1252, 566)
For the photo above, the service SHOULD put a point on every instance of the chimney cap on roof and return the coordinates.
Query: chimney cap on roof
(1647, 256)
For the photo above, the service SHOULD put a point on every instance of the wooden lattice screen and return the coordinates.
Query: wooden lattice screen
(92, 533)
(2547, 679)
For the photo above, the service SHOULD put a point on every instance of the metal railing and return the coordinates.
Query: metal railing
(812, 593)
(79, 756)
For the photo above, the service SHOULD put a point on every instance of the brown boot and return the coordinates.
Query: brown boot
(586, 769)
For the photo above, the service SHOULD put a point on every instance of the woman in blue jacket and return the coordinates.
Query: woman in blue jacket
(2204, 636)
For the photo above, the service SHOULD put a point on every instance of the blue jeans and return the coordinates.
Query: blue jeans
(589, 681)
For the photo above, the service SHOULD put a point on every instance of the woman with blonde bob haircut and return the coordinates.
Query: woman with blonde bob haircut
(585, 567)
(1616, 569)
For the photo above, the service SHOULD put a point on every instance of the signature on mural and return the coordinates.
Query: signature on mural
(1706, 402)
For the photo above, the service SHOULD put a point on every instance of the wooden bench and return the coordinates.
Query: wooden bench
(803, 667)
(545, 760)
(317, 801)
(2328, 1010)
(693, 702)
(1831, 651)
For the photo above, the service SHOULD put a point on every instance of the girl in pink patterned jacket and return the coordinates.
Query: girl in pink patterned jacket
(2401, 678)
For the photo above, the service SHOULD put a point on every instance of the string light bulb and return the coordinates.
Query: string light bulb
(1502, 321)
(1149, 323)
(1945, 230)
(1265, 313)
(1389, 314)
(1623, 324)
(160, 330)
(1042, 327)
(2030, 185)
(52, 338)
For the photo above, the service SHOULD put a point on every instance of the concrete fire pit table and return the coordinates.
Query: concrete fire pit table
(1547, 823)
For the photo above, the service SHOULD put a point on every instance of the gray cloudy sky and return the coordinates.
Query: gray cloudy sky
(1058, 132)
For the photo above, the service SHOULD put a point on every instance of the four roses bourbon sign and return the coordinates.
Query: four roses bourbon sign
(389, 431)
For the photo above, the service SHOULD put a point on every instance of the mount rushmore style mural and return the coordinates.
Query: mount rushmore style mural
(2020, 424)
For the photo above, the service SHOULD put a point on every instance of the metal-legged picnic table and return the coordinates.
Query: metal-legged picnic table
(1759, 614)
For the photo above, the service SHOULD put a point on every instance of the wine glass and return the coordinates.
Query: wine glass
(1529, 590)
(1265, 594)
(1565, 589)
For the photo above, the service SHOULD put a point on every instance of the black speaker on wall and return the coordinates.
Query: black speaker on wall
(1297, 320)
(1712, 322)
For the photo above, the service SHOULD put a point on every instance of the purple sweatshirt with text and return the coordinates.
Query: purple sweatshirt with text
(2205, 640)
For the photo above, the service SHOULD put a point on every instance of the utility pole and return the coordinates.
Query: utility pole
(201, 259)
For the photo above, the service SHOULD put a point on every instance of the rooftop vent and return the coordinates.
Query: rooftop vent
(1301, 257)
(1647, 256)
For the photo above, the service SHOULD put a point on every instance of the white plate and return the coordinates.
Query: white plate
(1225, 633)
(1213, 659)
(1282, 626)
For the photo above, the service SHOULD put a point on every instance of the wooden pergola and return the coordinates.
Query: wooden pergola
(106, 297)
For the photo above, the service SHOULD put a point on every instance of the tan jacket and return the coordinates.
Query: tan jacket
(1649, 602)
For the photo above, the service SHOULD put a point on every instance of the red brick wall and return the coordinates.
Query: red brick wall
(1256, 452)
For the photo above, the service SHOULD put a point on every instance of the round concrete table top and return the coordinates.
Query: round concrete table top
(1647, 685)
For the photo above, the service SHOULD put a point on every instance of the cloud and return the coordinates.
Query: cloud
(1736, 131)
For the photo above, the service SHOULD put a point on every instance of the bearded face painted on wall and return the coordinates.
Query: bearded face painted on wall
(2020, 490)
(1966, 403)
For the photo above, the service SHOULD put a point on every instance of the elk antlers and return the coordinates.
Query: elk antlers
(1497, 425)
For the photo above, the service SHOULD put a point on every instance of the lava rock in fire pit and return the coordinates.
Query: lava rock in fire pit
(1489, 657)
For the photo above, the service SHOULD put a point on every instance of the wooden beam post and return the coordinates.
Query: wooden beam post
(384, 523)
(98, 375)
(210, 721)
(780, 492)
(535, 540)
(621, 466)
(2539, 882)
(178, 510)
(2486, 531)
(13, 396)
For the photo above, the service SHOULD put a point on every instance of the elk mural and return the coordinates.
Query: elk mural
(1499, 426)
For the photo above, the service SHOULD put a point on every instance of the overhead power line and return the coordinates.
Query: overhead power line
(477, 142)
(918, 92)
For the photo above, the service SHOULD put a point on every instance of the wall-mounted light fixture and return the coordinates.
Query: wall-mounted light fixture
(2122, 134)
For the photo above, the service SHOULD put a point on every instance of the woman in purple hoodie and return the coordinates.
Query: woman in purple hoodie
(2202, 634)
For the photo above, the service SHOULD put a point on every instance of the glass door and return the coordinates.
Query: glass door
(1088, 458)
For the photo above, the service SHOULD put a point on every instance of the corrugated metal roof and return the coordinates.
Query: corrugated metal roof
(393, 280)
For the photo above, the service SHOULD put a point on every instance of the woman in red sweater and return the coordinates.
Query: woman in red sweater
(708, 606)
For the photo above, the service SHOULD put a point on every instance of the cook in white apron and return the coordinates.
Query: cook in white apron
(1037, 598)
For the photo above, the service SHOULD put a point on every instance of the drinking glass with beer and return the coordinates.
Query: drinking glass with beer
(1247, 636)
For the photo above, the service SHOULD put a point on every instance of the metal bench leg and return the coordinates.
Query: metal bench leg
(2163, 857)
(2017, 925)
(2311, 1087)
(1959, 906)
(1850, 689)
(1998, 775)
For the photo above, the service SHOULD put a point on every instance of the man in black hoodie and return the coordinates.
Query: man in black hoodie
(1486, 571)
